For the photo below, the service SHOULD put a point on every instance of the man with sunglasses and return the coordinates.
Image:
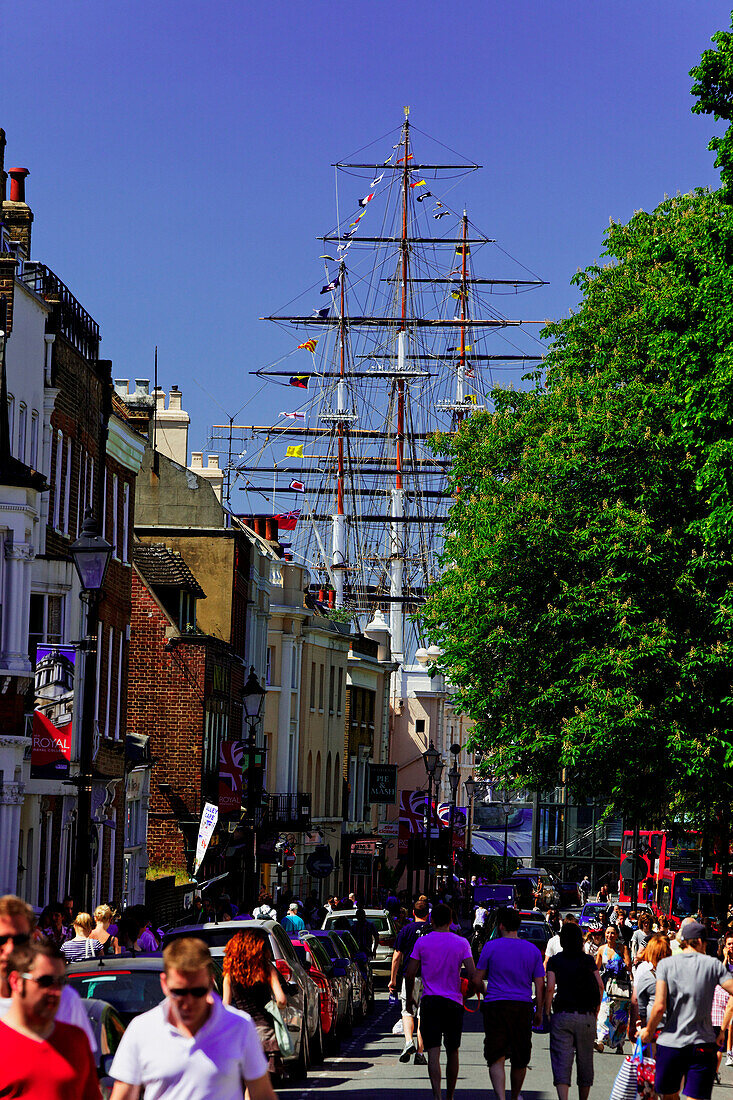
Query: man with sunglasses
(39, 1056)
(191, 1046)
(17, 930)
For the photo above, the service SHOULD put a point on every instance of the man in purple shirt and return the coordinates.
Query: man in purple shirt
(510, 967)
(440, 955)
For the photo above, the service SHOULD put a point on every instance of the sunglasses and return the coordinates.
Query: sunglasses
(20, 939)
(197, 991)
(46, 981)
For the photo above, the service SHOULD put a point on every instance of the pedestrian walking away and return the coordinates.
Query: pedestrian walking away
(440, 956)
(404, 944)
(191, 1046)
(574, 982)
(510, 967)
(584, 887)
(39, 1056)
(292, 922)
(687, 1048)
(645, 981)
(251, 983)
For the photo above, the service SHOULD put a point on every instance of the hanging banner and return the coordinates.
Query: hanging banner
(231, 756)
(209, 818)
(52, 713)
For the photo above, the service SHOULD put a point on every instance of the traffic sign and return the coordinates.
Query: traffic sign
(289, 858)
(319, 864)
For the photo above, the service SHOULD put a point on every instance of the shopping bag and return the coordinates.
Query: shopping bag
(645, 1079)
(283, 1036)
(626, 1084)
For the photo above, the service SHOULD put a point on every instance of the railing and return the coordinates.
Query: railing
(77, 325)
(289, 811)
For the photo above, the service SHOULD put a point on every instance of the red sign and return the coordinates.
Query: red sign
(230, 776)
(289, 857)
(50, 748)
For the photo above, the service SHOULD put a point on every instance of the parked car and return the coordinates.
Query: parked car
(108, 1029)
(362, 960)
(361, 999)
(538, 933)
(384, 925)
(130, 985)
(302, 1014)
(332, 985)
(592, 911)
(339, 957)
(569, 895)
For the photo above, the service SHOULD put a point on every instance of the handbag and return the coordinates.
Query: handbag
(282, 1034)
(617, 988)
(626, 1085)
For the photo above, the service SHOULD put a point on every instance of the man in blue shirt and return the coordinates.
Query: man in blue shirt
(291, 922)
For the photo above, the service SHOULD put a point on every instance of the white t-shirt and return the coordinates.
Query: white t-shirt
(70, 1011)
(209, 1066)
(553, 947)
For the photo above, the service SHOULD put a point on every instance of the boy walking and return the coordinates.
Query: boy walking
(440, 955)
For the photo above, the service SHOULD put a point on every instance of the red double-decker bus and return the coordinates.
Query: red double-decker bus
(669, 873)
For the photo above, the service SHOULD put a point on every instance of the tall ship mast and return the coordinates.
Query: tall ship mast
(405, 341)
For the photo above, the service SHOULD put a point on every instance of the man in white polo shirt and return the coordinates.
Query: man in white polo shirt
(191, 1046)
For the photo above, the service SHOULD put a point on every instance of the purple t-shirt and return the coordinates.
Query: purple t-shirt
(441, 955)
(511, 966)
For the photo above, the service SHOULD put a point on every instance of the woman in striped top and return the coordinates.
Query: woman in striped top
(80, 946)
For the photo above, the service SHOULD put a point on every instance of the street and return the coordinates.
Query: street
(369, 1064)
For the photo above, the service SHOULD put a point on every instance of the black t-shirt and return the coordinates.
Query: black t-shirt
(577, 988)
(408, 937)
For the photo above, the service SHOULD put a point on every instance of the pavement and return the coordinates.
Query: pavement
(368, 1065)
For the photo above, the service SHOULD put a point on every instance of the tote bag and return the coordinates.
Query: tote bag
(283, 1036)
(627, 1080)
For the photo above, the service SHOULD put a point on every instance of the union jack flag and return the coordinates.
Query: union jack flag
(412, 811)
(459, 815)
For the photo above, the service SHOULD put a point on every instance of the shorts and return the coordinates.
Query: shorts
(508, 1032)
(696, 1064)
(416, 994)
(441, 1019)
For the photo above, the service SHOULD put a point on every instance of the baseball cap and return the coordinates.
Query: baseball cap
(693, 930)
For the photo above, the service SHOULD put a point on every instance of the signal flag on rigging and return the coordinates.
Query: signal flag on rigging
(300, 380)
(294, 452)
(309, 345)
(287, 521)
(297, 486)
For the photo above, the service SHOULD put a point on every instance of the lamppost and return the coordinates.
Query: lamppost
(506, 807)
(253, 699)
(454, 778)
(433, 769)
(90, 555)
(470, 788)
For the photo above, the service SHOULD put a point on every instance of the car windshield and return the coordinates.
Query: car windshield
(131, 992)
(344, 952)
(379, 920)
(533, 931)
(319, 953)
(329, 946)
(350, 942)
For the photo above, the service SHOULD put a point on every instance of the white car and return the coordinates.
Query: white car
(385, 928)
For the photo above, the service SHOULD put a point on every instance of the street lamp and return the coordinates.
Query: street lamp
(470, 788)
(454, 778)
(434, 769)
(253, 698)
(506, 807)
(90, 554)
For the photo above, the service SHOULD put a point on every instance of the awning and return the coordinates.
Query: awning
(492, 844)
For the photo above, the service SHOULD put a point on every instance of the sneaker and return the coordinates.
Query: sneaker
(729, 1058)
(420, 1059)
(408, 1052)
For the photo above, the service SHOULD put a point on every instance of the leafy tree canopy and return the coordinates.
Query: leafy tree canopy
(585, 610)
(713, 88)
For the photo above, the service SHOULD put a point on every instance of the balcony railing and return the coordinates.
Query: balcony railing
(289, 811)
(77, 325)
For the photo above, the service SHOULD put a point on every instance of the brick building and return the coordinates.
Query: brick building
(63, 422)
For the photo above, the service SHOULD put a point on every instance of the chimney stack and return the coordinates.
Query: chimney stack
(3, 173)
(17, 215)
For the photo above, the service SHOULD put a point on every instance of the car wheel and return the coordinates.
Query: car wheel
(300, 1070)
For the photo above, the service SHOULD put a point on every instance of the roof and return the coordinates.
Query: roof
(162, 567)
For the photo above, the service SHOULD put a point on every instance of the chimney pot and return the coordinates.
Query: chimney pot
(17, 184)
(271, 529)
(122, 387)
(213, 461)
(159, 395)
(174, 398)
(142, 387)
(197, 459)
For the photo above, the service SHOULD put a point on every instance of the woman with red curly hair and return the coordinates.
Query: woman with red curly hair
(250, 981)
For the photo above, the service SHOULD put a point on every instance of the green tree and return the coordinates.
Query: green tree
(585, 611)
(713, 89)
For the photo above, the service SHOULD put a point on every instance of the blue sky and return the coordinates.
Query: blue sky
(180, 152)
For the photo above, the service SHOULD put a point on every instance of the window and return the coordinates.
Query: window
(34, 440)
(340, 691)
(313, 685)
(327, 796)
(104, 504)
(268, 666)
(11, 419)
(22, 428)
(295, 667)
(118, 712)
(67, 486)
(320, 687)
(108, 706)
(113, 531)
(89, 499)
(46, 622)
(419, 725)
(125, 555)
(331, 688)
(57, 482)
